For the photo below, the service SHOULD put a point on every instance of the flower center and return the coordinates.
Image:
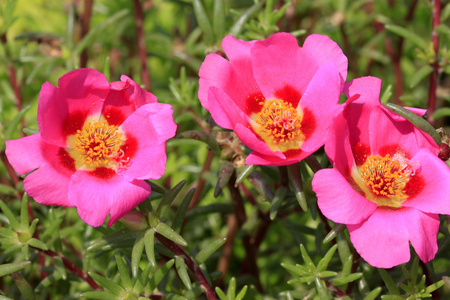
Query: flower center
(279, 121)
(98, 144)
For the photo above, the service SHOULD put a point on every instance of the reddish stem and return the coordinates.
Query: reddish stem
(85, 21)
(139, 14)
(435, 65)
(201, 180)
(179, 251)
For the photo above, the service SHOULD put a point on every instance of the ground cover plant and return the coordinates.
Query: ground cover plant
(224, 149)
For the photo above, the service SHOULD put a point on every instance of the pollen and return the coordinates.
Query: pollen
(279, 121)
(386, 176)
(98, 143)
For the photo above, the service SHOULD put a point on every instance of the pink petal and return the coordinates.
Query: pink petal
(383, 239)
(249, 138)
(151, 126)
(277, 63)
(95, 198)
(63, 110)
(237, 49)
(338, 201)
(322, 49)
(25, 154)
(435, 194)
(48, 186)
(223, 110)
(256, 158)
(321, 98)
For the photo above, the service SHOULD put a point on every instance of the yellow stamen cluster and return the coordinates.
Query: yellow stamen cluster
(97, 142)
(384, 176)
(279, 121)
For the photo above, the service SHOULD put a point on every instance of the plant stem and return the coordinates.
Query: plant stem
(179, 251)
(85, 21)
(139, 14)
(435, 64)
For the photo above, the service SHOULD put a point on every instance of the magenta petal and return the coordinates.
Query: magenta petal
(338, 201)
(368, 87)
(25, 154)
(135, 93)
(249, 138)
(95, 198)
(48, 186)
(322, 49)
(435, 195)
(151, 125)
(383, 239)
(237, 49)
(256, 158)
(223, 110)
(321, 98)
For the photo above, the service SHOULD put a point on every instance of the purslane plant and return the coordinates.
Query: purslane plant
(387, 185)
(98, 142)
(278, 98)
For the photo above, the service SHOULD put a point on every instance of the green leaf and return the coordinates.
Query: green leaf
(169, 233)
(420, 74)
(443, 29)
(15, 122)
(168, 199)
(306, 258)
(242, 293)
(181, 211)
(48, 281)
(23, 285)
(323, 263)
(149, 242)
(107, 283)
(441, 112)
(203, 22)
(6, 269)
(373, 294)
(390, 283)
(107, 240)
(296, 181)
(207, 251)
(182, 272)
(246, 170)
(123, 272)
(298, 270)
(341, 280)
(11, 217)
(37, 244)
(30, 131)
(322, 289)
(334, 232)
(280, 194)
(225, 172)
(231, 289)
(411, 36)
(221, 294)
(136, 253)
(202, 136)
(101, 295)
(7, 190)
(24, 218)
(418, 121)
(219, 19)
(239, 24)
(159, 274)
(434, 286)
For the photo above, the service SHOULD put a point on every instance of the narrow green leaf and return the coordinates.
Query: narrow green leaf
(37, 244)
(181, 211)
(323, 263)
(225, 172)
(434, 286)
(240, 22)
(136, 253)
(373, 294)
(246, 170)
(169, 233)
(202, 136)
(231, 289)
(207, 251)
(418, 121)
(242, 293)
(7, 190)
(159, 274)
(419, 75)
(441, 112)
(11, 217)
(298, 270)
(100, 295)
(30, 131)
(341, 280)
(390, 283)
(15, 122)
(24, 218)
(203, 22)
(322, 289)
(123, 272)
(149, 242)
(107, 69)
(334, 232)
(48, 281)
(296, 181)
(443, 29)
(23, 285)
(26, 251)
(6, 269)
(182, 272)
(280, 194)
(168, 199)
(409, 35)
(116, 236)
(306, 258)
(107, 283)
(219, 19)
(221, 294)
(60, 267)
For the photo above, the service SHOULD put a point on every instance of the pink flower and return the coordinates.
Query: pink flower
(279, 98)
(98, 141)
(387, 185)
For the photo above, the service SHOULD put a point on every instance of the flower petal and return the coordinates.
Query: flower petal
(391, 231)
(63, 110)
(151, 126)
(95, 198)
(25, 154)
(338, 201)
(321, 98)
(435, 194)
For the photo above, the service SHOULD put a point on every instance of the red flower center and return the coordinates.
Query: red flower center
(279, 121)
